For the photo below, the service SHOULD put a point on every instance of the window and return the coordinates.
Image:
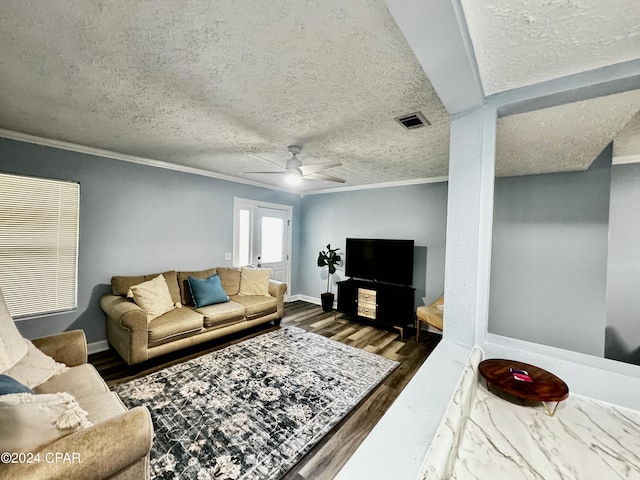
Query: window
(272, 240)
(38, 244)
(244, 237)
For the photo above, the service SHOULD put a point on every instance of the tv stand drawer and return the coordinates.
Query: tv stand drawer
(367, 310)
(367, 296)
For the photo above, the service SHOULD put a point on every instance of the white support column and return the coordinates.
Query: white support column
(469, 224)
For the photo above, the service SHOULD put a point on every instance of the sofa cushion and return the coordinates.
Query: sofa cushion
(30, 421)
(10, 385)
(257, 305)
(208, 291)
(120, 285)
(230, 278)
(177, 322)
(81, 381)
(183, 282)
(153, 297)
(222, 314)
(254, 281)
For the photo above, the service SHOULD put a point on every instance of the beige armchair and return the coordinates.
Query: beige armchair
(431, 314)
(116, 446)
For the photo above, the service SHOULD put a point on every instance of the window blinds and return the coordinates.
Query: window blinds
(38, 244)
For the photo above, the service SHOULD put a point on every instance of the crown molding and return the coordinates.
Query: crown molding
(111, 155)
(372, 186)
(98, 152)
(625, 159)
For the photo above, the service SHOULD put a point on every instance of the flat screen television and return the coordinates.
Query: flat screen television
(389, 261)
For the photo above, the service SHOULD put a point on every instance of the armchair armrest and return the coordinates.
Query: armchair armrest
(96, 452)
(69, 347)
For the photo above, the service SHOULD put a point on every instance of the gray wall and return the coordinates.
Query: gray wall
(549, 258)
(136, 219)
(623, 269)
(416, 212)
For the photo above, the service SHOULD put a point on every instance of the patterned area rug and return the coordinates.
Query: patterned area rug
(253, 409)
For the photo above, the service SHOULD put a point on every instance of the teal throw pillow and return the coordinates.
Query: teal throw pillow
(10, 385)
(208, 291)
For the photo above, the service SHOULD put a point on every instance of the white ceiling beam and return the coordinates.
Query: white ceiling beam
(599, 82)
(436, 31)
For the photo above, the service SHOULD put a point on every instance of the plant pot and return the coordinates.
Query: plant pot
(327, 302)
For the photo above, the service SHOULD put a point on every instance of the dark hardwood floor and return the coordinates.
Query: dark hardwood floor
(325, 459)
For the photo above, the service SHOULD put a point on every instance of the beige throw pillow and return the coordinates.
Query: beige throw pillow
(30, 421)
(153, 297)
(254, 281)
(35, 368)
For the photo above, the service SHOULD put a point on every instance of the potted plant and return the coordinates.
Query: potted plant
(328, 258)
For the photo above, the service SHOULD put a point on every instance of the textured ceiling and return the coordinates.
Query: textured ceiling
(521, 42)
(626, 145)
(565, 138)
(207, 83)
(202, 84)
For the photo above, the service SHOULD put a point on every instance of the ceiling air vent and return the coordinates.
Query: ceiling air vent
(412, 120)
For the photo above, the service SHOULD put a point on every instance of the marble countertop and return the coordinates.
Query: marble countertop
(586, 439)
(430, 433)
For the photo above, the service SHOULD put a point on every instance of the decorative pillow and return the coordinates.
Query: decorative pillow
(254, 281)
(230, 278)
(31, 421)
(183, 282)
(10, 385)
(35, 368)
(153, 297)
(208, 291)
(122, 285)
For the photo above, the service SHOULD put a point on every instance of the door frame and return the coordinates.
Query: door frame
(246, 203)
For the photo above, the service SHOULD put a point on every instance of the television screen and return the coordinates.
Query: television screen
(381, 260)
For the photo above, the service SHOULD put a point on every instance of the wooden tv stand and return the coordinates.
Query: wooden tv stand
(388, 303)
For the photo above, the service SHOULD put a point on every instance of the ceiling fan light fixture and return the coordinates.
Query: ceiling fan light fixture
(294, 163)
(293, 179)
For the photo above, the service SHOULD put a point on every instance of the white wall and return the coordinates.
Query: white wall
(416, 212)
(549, 257)
(623, 268)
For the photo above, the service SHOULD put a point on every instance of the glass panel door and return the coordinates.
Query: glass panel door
(262, 236)
(270, 240)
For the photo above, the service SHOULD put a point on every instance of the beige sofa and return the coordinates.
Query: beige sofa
(116, 446)
(137, 339)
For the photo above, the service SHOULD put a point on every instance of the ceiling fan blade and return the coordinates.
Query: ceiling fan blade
(322, 176)
(316, 167)
(268, 161)
(262, 173)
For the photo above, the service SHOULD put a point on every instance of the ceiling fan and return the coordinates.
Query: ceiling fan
(295, 171)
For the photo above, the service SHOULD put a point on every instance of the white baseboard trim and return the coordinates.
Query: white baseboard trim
(314, 300)
(306, 298)
(96, 347)
(291, 298)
